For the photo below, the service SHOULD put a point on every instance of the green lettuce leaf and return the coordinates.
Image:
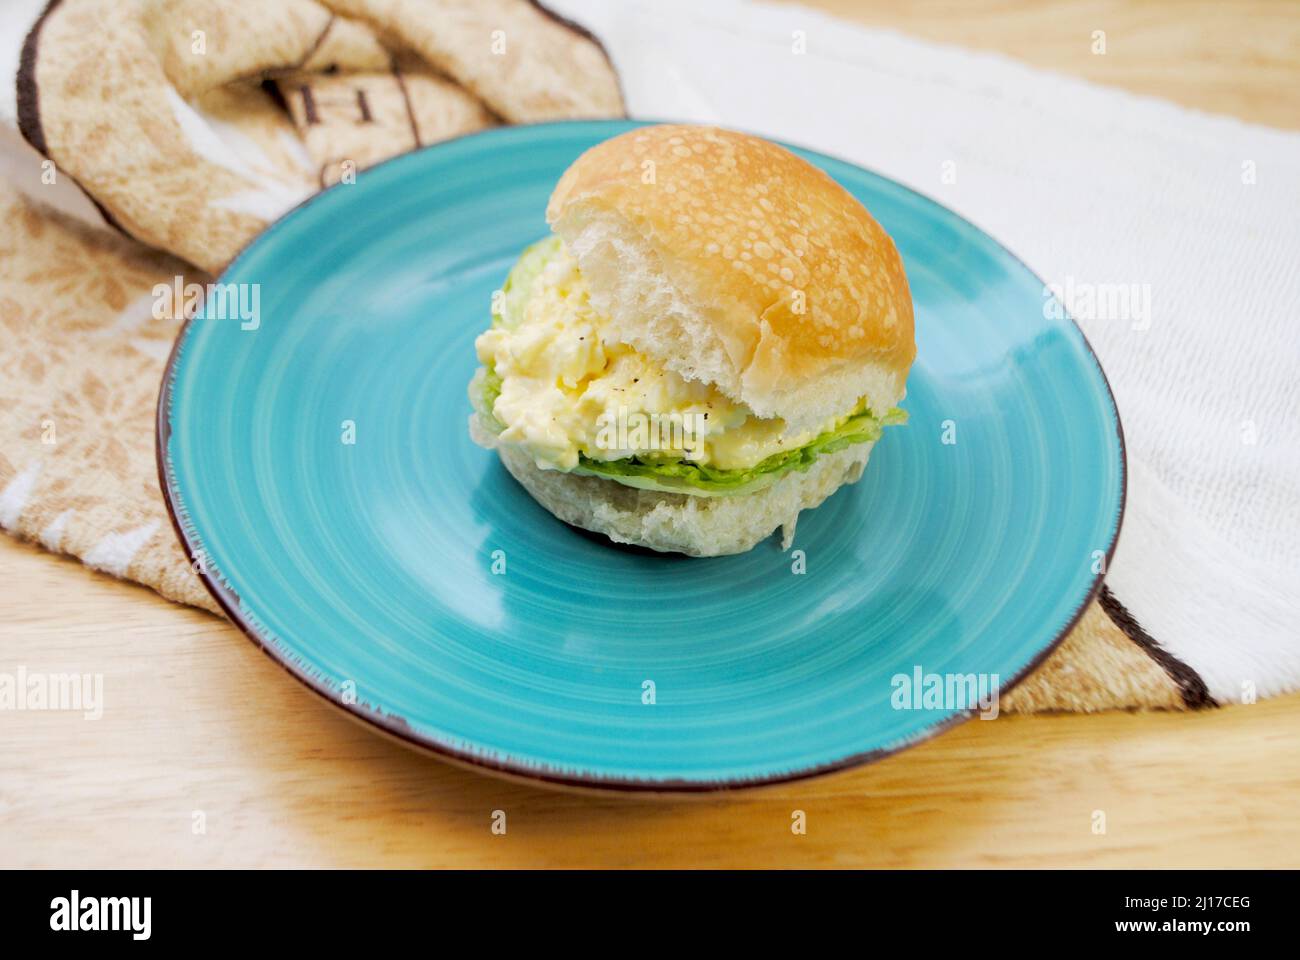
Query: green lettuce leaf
(519, 282)
(682, 476)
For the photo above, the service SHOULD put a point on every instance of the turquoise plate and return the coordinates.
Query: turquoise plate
(408, 579)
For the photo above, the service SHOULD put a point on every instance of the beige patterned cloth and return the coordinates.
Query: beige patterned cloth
(169, 132)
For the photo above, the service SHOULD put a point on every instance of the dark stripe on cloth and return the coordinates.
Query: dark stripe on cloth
(1194, 692)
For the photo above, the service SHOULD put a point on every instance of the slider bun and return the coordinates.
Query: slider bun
(733, 262)
(678, 522)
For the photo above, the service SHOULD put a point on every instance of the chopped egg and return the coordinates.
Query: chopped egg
(570, 388)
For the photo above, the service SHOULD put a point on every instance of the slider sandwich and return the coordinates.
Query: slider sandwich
(710, 342)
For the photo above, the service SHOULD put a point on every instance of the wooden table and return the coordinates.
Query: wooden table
(200, 730)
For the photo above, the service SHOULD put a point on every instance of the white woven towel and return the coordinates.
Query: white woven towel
(1099, 192)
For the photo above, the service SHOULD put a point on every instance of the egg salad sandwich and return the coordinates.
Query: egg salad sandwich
(710, 342)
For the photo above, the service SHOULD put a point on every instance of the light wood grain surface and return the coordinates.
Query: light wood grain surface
(199, 727)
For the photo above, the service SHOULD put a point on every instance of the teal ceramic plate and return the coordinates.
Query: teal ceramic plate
(407, 578)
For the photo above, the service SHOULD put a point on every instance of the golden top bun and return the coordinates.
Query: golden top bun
(734, 262)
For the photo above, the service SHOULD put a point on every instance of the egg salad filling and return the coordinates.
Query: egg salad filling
(557, 382)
